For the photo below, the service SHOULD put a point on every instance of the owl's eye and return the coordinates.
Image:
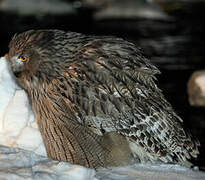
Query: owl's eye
(23, 58)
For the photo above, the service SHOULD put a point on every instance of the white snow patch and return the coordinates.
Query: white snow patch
(17, 125)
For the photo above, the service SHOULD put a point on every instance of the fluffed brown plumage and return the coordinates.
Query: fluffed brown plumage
(95, 100)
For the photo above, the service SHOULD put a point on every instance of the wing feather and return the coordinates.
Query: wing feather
(112, 88)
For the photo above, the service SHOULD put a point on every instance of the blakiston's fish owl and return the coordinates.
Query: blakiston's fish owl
(95, 100)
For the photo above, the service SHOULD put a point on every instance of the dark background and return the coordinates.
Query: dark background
(175, 43)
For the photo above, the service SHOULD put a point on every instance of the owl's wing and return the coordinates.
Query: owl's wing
(111, 88)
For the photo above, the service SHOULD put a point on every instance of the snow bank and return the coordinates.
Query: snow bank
(17, 125)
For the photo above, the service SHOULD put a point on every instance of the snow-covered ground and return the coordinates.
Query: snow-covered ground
(23, 155)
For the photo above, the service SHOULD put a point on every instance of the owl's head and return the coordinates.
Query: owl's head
(25, 52)
(39, 55)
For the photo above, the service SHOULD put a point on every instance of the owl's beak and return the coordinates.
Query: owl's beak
(17, 71)
(15, 66)
(17, 74)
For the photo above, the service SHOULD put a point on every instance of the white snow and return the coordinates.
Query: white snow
(17, 125)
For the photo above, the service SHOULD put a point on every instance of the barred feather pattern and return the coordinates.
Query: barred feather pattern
(88, 92)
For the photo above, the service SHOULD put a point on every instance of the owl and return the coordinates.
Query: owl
(95, 100)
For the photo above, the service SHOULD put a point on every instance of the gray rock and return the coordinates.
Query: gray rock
(18, 164)
(121, 9)
(153, 172)
(37, 7)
